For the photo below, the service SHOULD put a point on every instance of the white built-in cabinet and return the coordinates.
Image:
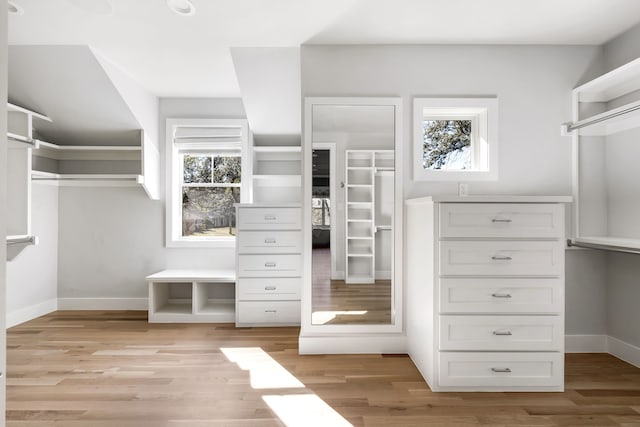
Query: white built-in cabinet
(277, 173)
(367, 213)
(485, 284)
(605, 131)
(268, 264)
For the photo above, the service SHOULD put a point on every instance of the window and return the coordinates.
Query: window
(207, 162)
(320, 211)
(455, 139)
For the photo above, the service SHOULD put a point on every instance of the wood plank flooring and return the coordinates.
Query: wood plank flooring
(102, 369)
(336, 303)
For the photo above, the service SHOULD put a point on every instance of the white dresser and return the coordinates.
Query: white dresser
(268, 264)
(485, 285)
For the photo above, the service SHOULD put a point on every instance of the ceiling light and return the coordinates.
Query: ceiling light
(182, 7)
(14, 8)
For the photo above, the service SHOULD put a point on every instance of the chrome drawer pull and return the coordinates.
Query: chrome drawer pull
(269, 264)
(501, 258)
(497, 295)
(269, 240)
(502, 333)
(501, 220)
(501, 369)
(270, 288)
(271, 311)
(270, 218)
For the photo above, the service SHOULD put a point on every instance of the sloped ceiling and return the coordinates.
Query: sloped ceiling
(269, 80)
(68, 84)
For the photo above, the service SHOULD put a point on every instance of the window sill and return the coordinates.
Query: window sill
(210, 244)
(455, 176)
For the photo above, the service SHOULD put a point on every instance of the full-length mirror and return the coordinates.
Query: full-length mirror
(352, 214)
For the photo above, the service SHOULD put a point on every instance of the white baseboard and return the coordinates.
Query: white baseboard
(103, 303)
(22, 315)
(375, 344)
(625, 351)
(585, 343)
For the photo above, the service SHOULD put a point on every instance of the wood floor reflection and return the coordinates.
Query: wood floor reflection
(335, 302)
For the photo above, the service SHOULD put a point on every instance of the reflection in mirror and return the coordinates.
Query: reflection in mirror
(352, 214)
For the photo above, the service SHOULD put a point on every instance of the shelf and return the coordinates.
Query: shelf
(359, 185)
(359, 220)
(359, 238)
(618, 82)
(278, 180)
(16, 108)
(86, 152)
(219, 307)
(181, 307)
(21, 240)
(357, 255)
(277, 149)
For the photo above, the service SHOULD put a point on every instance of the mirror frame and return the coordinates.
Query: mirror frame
(306, 327)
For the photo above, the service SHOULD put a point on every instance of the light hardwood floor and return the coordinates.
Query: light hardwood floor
(335, 302)
(101, 369)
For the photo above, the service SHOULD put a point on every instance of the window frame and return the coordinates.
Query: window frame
(483, 113)
(174, 179)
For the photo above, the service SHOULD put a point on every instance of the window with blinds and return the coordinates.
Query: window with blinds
(207, 178)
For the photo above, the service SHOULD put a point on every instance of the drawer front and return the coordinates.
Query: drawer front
(501, 333)
(269, 219)
(508, 258)
(502, 220)
(276, 288)
(269, 242)
(480, 370)
(268, 312)
(501, 295)
(269, 265)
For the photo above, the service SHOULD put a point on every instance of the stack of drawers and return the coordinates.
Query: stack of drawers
(499, 288)
(269, 265)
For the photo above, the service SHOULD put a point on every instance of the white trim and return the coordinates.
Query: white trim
(103, 303)
(351, 344)
(331, 146)
(25, 314)
(172, 182)
(585, 343)
(484, 111)
(624, 351)
(340, 332)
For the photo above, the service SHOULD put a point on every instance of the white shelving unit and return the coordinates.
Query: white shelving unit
(190, 296)
(360, 218)
(277, 173)
(20, 123)
(605, 132)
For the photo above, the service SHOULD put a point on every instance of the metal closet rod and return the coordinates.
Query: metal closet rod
(571, 126)
(24, 140)
(602, 247)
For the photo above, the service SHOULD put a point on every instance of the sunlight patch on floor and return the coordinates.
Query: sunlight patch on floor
(305, 410)
(264, 372)
(322, 317)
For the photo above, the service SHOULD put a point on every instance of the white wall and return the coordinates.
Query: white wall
(623, 278)
(533, 85)
(32, 276)
(111, 238)
(622, 49)
(3, 202)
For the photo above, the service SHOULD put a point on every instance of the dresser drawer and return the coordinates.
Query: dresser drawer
(501, 333)
(484, 370)
(509, 258)
(501, 295)
(276, 288)
(269, 218)
(269, 242)
(266, 265)
(510, 220)
(268, 312)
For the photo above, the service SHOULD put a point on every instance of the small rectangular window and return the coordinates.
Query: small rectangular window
(455, 139)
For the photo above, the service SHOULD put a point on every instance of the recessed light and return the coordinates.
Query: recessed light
(14, 8)
(182, 7)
